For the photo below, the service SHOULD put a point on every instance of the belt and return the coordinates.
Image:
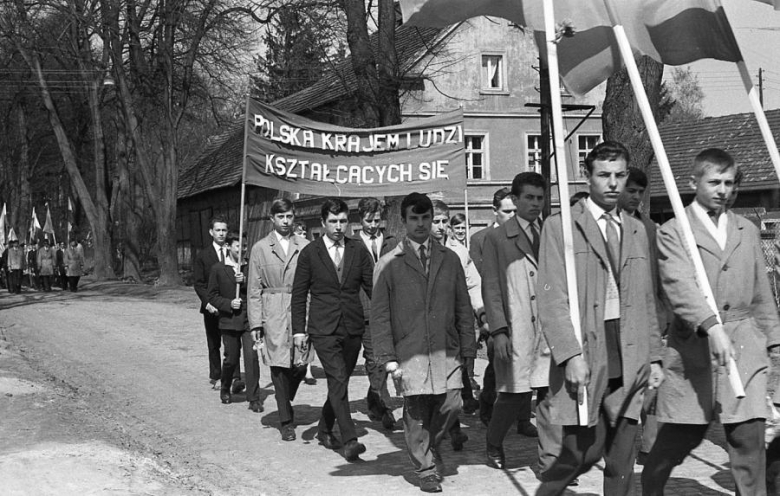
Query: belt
(735, 314)
(279, 290)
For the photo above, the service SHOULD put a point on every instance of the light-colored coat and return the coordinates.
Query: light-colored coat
(640, 339)
(74, 262)
(46, 261)
(509, 272)
(271, 275)
(694, 393)
(16, 259)
(423, 322)
(473, 279)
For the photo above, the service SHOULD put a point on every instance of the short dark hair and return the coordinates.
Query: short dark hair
(232, 237)
(419, 202)
(499, 196)
(608, 150)
(713, 158)
(282, 205)
(333, 206)
(217, 218)
(457, 219)
(369, 205)
(441, 207)
(637, 176)
(577, 197)
(529, 178)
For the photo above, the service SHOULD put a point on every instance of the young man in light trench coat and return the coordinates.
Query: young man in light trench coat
(697, 389)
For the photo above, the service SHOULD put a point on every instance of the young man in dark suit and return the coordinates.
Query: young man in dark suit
(377, 243)
(330, 274)
(213, 253)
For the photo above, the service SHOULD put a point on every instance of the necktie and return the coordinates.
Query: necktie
(714, 216)
(424, 259)
(535, 240)
(337, 258)
(373, 248)
(221, 254)
(613, 243)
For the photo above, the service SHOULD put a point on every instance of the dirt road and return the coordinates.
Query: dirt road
(106, 391)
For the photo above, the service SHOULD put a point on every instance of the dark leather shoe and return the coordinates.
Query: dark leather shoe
(311, 381)
(238, 386)
(458, 439)
(388, 421)
(495, 457)
(352, 450)
(225, 397)
(526, 428)
(430, 484)
(288, 432)
(256, 406)
(328, 440)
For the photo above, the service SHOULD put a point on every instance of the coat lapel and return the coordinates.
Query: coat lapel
(349, 257)
(325, 258)
(627, 237)
(733, 237)
(276, 247)
(704, 239)
(520, 238)
(410, 257)
(591, 232)
(437, 258)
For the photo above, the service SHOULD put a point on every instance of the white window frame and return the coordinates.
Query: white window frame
(583, 152)
(500, 71)
(483, 135)
(537, 152)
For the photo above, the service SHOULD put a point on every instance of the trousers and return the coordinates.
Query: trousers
(234, 341)
(286, 382)
(427, 418)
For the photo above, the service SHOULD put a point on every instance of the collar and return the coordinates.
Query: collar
(230, 263)
(704, 214)
(597, 212)
(281, 238)
(329, 243)
(416, 246)
(524, 223)
(367, 239)
(217, 247)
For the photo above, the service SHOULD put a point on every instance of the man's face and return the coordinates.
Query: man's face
(529, 202)
(235, 249)
(714, 188)
(631, 197)
(459, 232)
(283, 222)
(335, 226)
(219, 232)
(505, 211)
(418, 226)
(440, 224)
(606, 181)
(370, 223)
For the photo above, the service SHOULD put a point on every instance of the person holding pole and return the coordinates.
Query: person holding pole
(621, 345)
(272, 266)
(698, 389)
(422, 327)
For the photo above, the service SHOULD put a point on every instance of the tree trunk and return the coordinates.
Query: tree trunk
(389, 106)
(363, 62)
(24, 201)
(622, 120)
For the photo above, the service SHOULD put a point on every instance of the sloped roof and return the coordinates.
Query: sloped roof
(737, 133)
(219, 164)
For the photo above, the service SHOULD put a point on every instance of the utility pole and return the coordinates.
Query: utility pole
(761, 86)
(544, 112)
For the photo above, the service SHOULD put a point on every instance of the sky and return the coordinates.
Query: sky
(757, 29)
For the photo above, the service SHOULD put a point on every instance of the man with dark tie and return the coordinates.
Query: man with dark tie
(377, 243)
(621, 343)
(214, 252)
(327, 311)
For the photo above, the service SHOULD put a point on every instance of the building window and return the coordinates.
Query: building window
(493, 72)
(476, 156)
(585, 143)
(533, 155)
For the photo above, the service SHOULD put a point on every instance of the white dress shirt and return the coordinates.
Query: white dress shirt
(718, 232)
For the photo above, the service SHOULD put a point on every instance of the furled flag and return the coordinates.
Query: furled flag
(35, 227)
(2, 226)
(674, 32)
(48, 226)
(70, 219)
(12, 235)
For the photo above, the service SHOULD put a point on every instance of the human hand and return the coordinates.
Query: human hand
(502, 347)
(301, 342)
(211, 309)
(257, 333)
(235, 304)
(239, 277)
(656, 376)
(720, 345)
(577, 376)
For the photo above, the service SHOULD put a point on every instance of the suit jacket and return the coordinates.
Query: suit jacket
(331, 303)
(222, 292)
(74, 262)
(46, 261)
(477, 245)
(694, 393)
(201, 269)
(425, 322)
(388, 243)
(271, 275)
(640, 339)
(509, 274)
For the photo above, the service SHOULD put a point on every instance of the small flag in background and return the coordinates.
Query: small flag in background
(2, 226)
(48, 226)
(35, 227)
(70, 218)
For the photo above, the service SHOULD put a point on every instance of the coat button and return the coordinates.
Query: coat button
(725, 268)
(532, 273)
(533, 297)
(533, 319)
(726, 307)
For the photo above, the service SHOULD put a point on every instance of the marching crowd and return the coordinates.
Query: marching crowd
(650, 359)
(39, 268)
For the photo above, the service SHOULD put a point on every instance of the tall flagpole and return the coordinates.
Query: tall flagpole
(669, 182)
(466, 209)
(243, 195)
(563, 191)
(758, 110)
